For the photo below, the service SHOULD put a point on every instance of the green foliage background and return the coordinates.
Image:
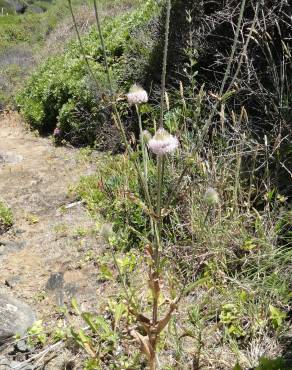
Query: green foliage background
(62, 93)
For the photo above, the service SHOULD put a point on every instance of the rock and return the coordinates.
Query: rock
(12, 281)
(55, 284)
(15, 317)
(71, 290)
(18, 6)
(10, 158)
(21, 346)
(34, 9)
(11, 246)
(56, 281)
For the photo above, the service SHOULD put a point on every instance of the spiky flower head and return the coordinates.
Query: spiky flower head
(211, 197)
(163, 142)
(57, 131)
(137, 95)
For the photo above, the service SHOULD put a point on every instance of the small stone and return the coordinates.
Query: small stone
(56, 281)
(10, 158)
(21, 346)
(12, 281)
(71, 290)
(15, 317)
(11, 246)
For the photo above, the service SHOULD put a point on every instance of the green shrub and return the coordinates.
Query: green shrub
(109, 194)
(62, 93)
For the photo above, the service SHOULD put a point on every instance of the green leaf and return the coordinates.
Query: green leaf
(274, 364)
(75, 306)
(277, 316)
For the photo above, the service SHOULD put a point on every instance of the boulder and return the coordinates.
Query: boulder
(15, 317)
(17, 5)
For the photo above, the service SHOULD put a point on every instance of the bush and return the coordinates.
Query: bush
(62, 93)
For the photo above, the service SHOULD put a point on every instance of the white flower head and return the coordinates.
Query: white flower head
(137, 95)
(211, 197)
(163, 142)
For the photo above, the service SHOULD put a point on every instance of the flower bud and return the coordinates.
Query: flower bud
(211, 197)
(106, 230)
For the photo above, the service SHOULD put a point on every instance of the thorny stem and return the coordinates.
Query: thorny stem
(164, 63)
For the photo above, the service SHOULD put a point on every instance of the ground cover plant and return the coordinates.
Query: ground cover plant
(6, 217)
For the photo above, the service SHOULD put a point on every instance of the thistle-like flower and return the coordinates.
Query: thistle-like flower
(163, 142)
(137, 95)
(57, 132)
(211, 197)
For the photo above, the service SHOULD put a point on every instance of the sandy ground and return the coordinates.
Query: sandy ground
(47, 238)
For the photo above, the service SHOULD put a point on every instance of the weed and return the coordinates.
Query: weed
(6, 217)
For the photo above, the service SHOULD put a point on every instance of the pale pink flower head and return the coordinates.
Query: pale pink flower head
(57, 132)
(163, 142)
(137, 95)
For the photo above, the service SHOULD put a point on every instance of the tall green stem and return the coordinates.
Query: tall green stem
(164, 67)
(143, 147)
(81, 45)
(103, 47)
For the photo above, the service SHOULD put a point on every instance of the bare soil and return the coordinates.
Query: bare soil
(52, 232)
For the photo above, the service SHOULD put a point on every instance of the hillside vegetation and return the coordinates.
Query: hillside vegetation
(26, 37)
(193, 194)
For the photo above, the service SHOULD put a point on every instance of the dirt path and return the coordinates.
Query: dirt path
(42, 256)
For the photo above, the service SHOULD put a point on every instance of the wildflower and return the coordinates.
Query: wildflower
(211, 197)
(57, 132)
(146, 136)
(163, 142)
(137, 95)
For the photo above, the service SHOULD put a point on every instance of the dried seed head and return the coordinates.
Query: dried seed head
(211, 197)
(106, 230)
(137, 95)
(163, 142)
